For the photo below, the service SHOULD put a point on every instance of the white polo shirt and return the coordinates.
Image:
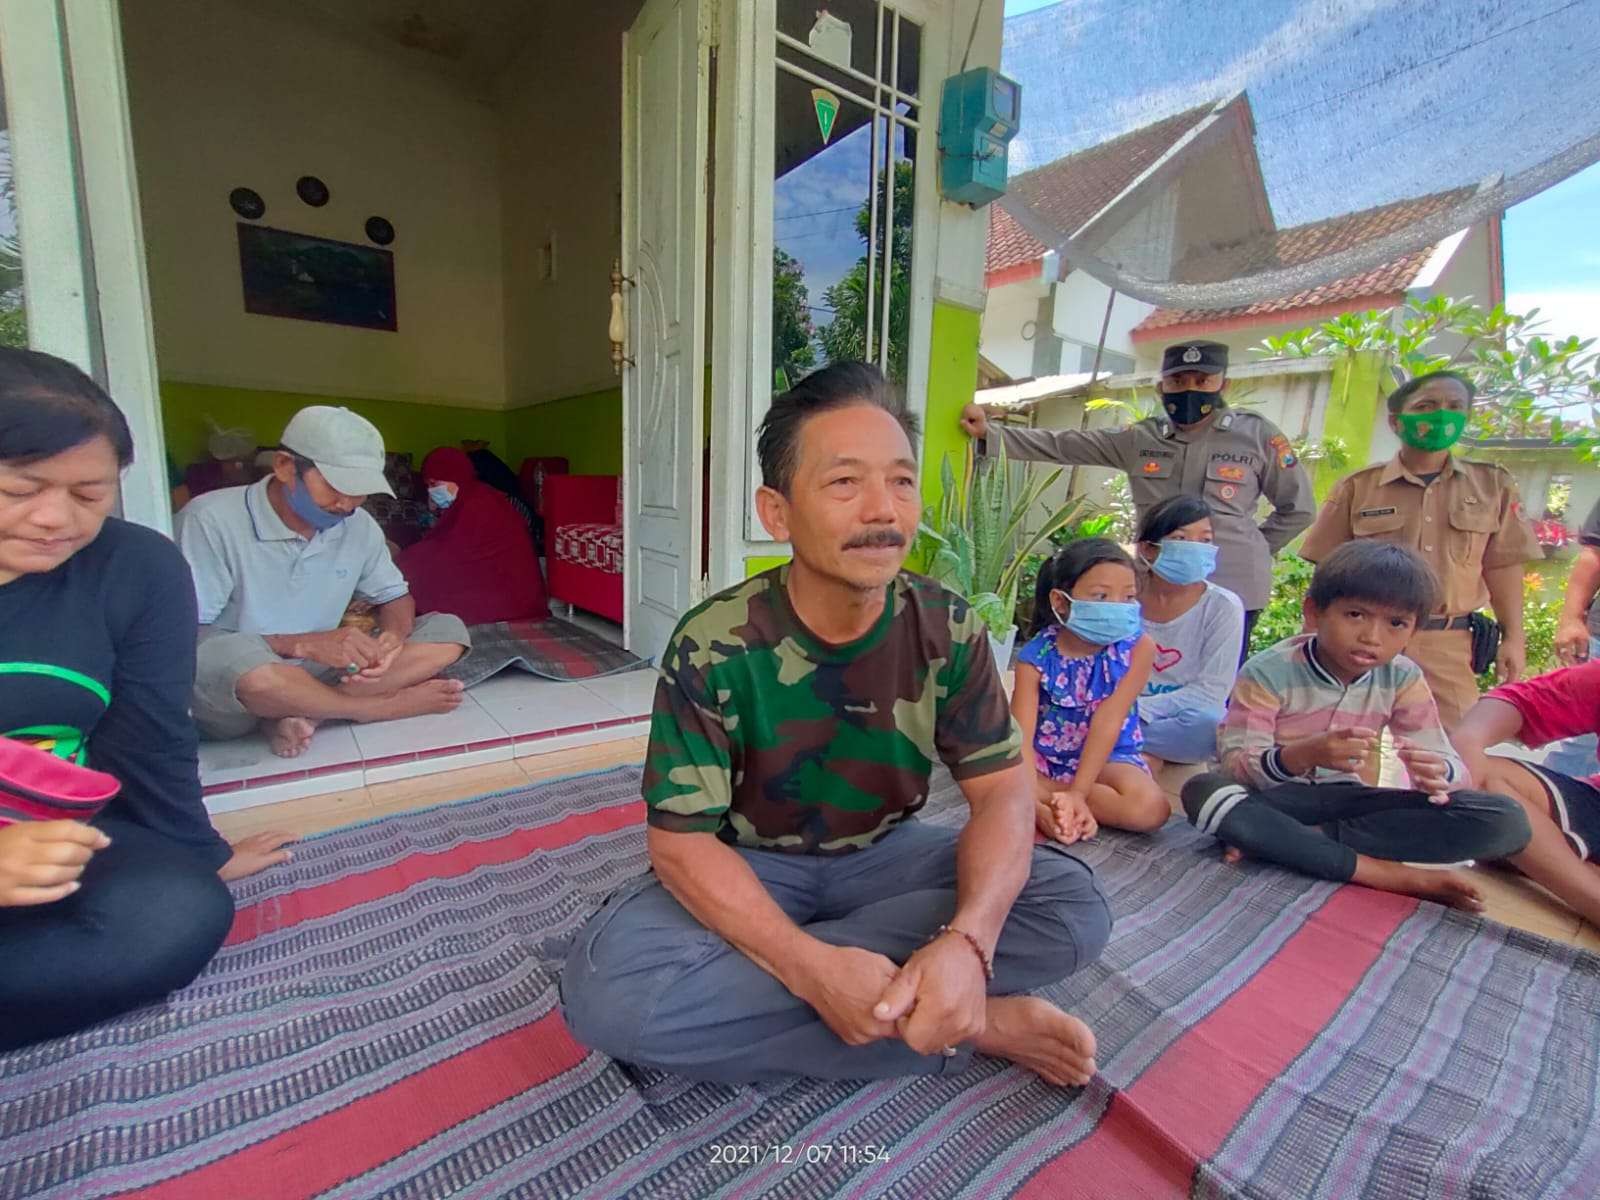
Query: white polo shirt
(253, 574)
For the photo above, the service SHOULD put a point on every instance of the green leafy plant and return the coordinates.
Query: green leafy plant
(1282, 617)
(1529, 384)
(978, 540)
(1540, 617)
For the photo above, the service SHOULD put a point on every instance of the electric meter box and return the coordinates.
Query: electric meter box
(979, 114)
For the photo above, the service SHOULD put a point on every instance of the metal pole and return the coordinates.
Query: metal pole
(1094, 372)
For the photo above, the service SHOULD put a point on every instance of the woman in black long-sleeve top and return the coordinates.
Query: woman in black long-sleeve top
(97, 648)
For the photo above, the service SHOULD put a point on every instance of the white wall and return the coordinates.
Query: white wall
(1081, 308)
(560, 145)
(222, 97)
(1008, 309)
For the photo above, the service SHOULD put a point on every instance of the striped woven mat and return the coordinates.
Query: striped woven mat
(552, 649)
(382, 1023)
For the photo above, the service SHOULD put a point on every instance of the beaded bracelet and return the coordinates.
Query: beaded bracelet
(988, 966)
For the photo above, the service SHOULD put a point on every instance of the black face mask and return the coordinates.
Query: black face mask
(1187, 408)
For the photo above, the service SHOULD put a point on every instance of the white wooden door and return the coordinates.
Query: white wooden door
(664, 99)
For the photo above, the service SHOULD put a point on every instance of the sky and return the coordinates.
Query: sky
(1552, 253)
(1428, 96)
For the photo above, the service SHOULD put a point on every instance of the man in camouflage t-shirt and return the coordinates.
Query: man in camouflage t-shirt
(799, 919)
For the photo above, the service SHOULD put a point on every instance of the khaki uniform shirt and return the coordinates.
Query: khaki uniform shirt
(1231, 463)
(1467, 521)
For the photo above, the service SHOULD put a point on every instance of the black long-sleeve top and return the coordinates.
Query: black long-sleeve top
(97, 661)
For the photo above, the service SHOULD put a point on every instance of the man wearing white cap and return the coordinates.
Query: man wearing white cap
(276, 565)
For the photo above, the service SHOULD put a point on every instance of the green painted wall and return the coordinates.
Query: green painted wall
(952, 382)
(586, 430)
(406, 426)
(754, 566)
(1354, 396)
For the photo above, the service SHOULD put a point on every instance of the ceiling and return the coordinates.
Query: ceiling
(470, 41)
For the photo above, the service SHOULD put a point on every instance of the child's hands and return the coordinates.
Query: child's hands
(1428, 771)
(1336, 750)
(1065, 817)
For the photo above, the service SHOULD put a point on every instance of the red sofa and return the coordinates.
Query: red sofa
(583, 542)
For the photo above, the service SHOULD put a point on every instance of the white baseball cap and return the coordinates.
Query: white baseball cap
(346, 447)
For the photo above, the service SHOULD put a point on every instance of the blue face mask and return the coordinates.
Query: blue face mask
(1185, 562)
(441, 496)
(1101, 622)
(308, 510)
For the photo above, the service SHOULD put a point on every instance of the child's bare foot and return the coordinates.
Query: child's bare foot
(289, 737)
(1044, 819)
(1444, 887)
(431, 696)
(1035, 1034)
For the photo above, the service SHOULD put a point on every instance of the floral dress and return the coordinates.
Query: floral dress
(1070, 689)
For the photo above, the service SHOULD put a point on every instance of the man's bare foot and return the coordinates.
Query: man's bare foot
(1035, 1034)
(363, 685)
(289, 737)
(1444, 887)
(431, 696)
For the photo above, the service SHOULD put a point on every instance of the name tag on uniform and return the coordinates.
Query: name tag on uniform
(1377, 512)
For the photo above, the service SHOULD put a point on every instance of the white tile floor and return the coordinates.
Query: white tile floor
(514, 714)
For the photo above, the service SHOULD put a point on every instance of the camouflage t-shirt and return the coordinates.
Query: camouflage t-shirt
(771, 738)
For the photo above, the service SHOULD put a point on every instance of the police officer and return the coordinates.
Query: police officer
(1464, 518)
(1200, 448)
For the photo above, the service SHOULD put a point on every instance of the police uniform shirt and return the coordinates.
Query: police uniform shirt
(1232, 463)
(1466, 521)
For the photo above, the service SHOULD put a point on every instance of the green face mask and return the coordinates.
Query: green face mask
(1431, 431)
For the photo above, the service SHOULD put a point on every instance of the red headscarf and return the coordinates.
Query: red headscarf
(478, 561)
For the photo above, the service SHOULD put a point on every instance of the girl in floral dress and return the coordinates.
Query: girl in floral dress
(1077, 687)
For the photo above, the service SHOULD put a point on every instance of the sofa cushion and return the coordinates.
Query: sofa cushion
(590, 545)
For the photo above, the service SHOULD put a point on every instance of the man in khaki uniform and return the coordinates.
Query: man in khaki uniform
(1464, 518)
(1200, 448)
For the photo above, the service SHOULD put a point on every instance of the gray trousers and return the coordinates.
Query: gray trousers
(646, 983)
(225, 657)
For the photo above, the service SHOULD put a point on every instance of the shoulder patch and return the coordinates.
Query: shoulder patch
(1282, 450)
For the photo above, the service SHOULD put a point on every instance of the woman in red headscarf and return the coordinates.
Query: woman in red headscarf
(478, 562)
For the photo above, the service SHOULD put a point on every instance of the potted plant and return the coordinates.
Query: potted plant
(977, 541)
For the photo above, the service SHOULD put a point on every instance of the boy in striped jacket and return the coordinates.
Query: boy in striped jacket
(1304, 721)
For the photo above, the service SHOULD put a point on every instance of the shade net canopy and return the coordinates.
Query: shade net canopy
(1205, 154)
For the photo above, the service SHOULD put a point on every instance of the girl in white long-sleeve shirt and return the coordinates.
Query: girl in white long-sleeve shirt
(1197, 627)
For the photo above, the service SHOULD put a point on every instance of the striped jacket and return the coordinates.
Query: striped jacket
(1284, 694)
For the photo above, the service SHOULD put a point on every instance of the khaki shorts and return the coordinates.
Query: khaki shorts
(225, 658)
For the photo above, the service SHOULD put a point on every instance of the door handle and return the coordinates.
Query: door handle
(619, 326)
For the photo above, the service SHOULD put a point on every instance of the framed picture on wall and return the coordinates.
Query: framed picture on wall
(310, 278)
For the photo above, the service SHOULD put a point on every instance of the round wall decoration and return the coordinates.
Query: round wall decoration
(247, 202)
(380, 231)
(312, 190)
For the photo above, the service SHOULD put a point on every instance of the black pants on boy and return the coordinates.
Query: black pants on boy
(1319, 828)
